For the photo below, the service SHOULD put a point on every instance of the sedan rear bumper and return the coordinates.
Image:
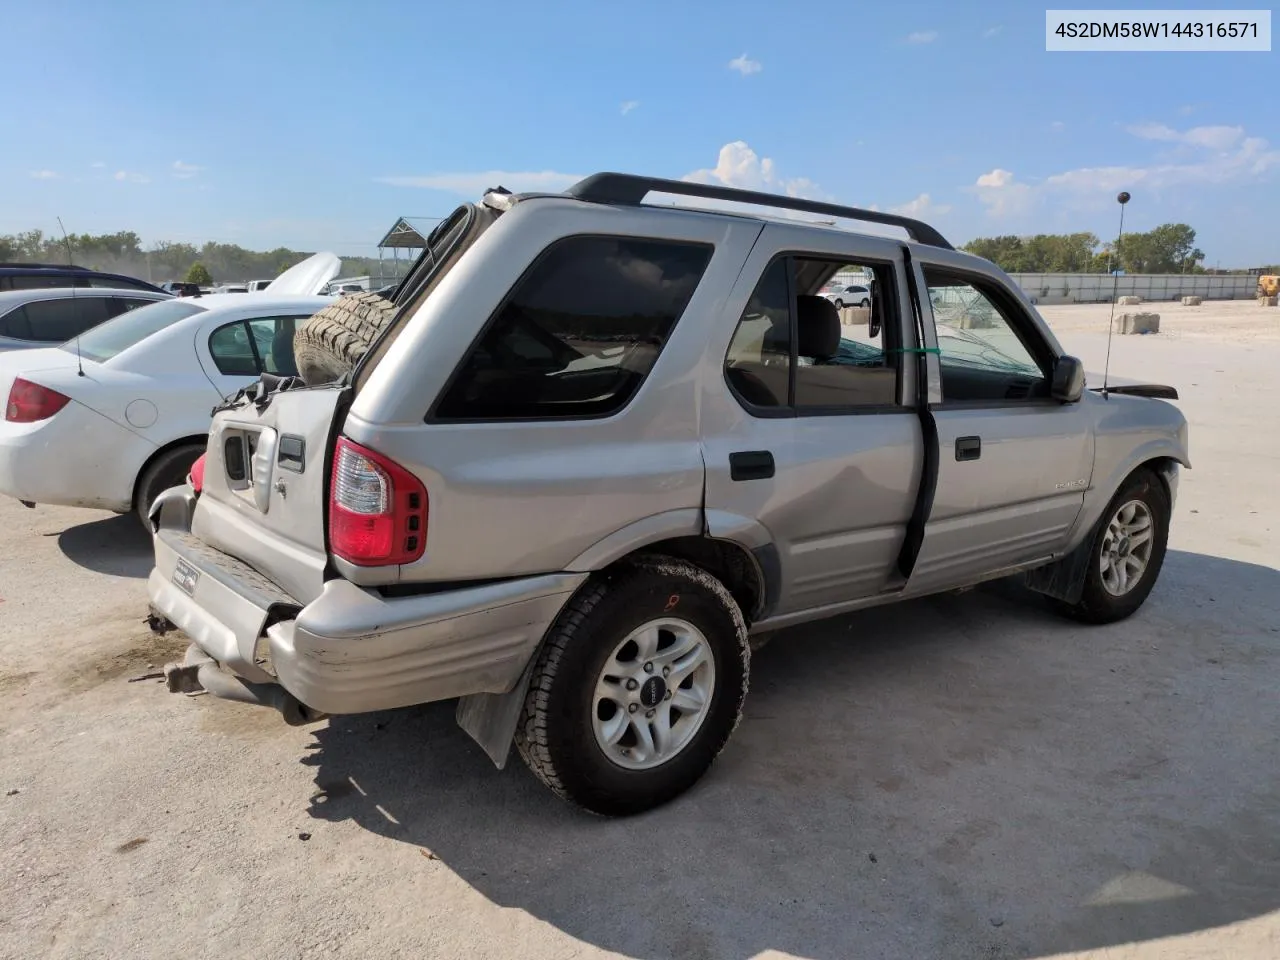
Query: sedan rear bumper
(351, 650)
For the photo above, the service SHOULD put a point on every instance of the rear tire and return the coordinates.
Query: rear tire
(563, 734)
(168, 470)
(329, 344)
(1127, 551)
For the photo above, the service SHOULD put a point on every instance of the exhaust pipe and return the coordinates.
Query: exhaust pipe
(198, 672)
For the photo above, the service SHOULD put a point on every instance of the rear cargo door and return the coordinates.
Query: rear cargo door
(265, 484)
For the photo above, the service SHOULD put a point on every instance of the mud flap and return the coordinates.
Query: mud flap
(1063, 579)
(490, 719)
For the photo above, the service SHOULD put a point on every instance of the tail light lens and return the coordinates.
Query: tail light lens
(29, 402)
(377, 509)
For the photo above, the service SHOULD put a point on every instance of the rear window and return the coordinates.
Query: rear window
(119, 334)
(579, 333)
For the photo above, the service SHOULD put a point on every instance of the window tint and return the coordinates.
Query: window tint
(120, 333)
(982, 356)
(232, 350)
(118, 283)
(841, 358)
(14, 325)
(45, 281)
(580, 331)
(57, 321)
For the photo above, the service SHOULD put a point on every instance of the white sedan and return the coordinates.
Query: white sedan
(112, 419)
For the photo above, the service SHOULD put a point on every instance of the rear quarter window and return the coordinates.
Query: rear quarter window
(579, 332)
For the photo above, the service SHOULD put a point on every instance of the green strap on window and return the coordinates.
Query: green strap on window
(936, 351)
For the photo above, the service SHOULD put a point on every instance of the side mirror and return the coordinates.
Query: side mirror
(1068, 380)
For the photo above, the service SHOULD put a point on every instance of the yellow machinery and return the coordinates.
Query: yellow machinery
(1268, 285)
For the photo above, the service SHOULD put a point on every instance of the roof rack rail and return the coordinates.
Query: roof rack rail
(625, 188)
(42, 266)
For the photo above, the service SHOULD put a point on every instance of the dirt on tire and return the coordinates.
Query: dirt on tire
(329, 344)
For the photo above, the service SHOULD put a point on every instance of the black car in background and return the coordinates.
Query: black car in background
(34, 276)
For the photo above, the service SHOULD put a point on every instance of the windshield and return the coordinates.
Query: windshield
(104, 341)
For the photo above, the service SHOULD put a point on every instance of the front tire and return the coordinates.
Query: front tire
(839, 304)
(1127, 551)
(637, 688)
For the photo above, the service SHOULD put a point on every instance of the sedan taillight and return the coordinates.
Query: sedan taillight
(29, 402)
(377, 509)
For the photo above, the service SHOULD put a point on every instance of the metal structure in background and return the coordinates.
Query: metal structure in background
(1047, 288)
(408, 234)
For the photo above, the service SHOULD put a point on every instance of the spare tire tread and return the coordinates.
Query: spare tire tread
(329, 344)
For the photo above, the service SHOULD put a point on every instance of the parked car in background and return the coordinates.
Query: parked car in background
(180, 288)
(49, 316)
(849, 295)
(254, 286)
(27, 276)
(231, 288)
(136, 421)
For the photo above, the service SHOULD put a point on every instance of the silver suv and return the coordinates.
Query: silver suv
(601, 445)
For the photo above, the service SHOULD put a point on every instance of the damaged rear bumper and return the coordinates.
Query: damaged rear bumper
(351, 650)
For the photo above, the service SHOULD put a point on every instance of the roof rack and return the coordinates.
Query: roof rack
(625, 188)
(42, 266)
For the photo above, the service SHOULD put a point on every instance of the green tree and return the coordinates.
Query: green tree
(199, 273)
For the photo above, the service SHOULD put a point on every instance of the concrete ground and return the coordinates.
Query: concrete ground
(955, 777)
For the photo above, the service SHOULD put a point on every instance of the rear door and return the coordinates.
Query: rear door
(810, 434)
(1013, 463)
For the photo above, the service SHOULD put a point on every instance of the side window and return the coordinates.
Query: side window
(232, 350)
(118, 283)
(580, 331)
(15, 326)
(842, 334)
(273, 339)
(119, 305)
(57, 321)
(758, 364)
(981, 352)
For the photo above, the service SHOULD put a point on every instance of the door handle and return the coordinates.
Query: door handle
(751, 465)
(968, 448)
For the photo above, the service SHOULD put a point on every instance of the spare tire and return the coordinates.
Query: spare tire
(330, 343)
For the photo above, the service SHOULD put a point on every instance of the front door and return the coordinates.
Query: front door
(1013, 463)
(812, 448)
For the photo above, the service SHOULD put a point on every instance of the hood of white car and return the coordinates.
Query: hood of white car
(307, 278)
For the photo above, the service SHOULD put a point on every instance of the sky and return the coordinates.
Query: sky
(314, 125)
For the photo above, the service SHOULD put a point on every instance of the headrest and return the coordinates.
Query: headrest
(818, 327)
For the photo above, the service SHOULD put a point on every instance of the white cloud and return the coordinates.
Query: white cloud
(1057, 126)
(990, 32)
(1226, 155)
(123, 175)
(475, 184)
(921, 206)
(1219, 137)
(97, 165)
(740, 166)
(45, 175)
(745, 65)
(996, 178)
(185, 171)
(629, 105)
(922, 36)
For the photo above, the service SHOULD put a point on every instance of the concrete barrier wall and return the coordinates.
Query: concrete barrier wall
(1097, 287)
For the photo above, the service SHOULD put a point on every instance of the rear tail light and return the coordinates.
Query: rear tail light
(29, 402)
(377, 509)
